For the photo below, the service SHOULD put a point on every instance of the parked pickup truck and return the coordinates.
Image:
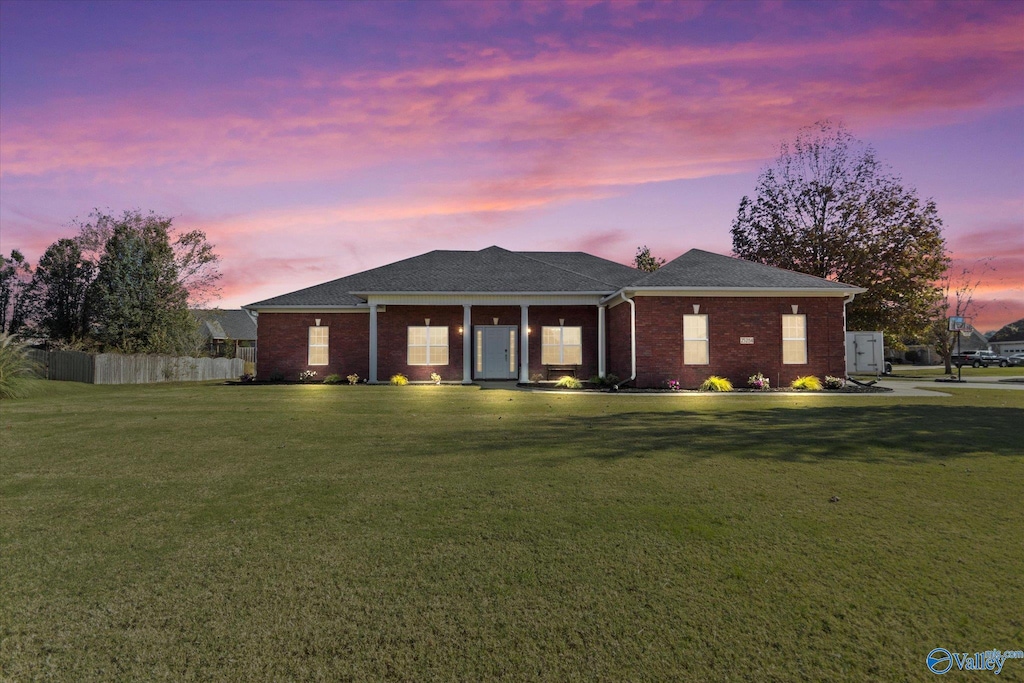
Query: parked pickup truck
(979, 359)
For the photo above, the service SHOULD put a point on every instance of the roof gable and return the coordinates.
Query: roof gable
(698, 269)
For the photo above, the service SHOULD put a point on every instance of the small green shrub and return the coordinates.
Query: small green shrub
(716, 383)
(15, 367)
(333, 378)
(399, 380)
(806, 383)
(606, 381)
(834, 383)
(568, 382)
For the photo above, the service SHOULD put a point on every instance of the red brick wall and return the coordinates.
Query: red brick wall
(393, 341)
(660, 339)
(575, 316)
(283, 340)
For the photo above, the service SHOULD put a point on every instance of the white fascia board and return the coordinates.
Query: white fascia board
(484, 298)
(809, 292)
(308, 309)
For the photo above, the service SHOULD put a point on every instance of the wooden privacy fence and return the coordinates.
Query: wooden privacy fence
(116, 368)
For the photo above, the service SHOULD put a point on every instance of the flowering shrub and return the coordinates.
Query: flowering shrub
(353, 378)
(569, 382)
(759, 382)
(334, 378)
(716, 383)
(673, 384)
(435, 378)
(806, 383)
(307, 375)
(834, 382)
(399, 380)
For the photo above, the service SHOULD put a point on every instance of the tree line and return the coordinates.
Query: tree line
(123, 283)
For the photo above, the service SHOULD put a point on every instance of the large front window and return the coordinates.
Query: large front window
(428, 345)
(794, 339)
(695, 340)
(561, 345)
(318, 345)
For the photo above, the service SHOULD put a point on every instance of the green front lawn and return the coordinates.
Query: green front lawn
(447, 533)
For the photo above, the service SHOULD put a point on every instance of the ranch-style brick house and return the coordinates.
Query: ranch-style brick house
(496, 314)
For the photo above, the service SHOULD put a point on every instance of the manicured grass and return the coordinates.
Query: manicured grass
(445, 533)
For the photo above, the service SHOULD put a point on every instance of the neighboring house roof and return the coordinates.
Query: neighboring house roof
(497, 270)
(699, 269)
(226, 324)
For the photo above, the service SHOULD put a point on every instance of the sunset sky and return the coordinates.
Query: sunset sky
(311, 141)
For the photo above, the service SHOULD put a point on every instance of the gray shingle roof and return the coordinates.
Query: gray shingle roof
(697, 269)
(227, 324)
(489, 270)
(494, 270)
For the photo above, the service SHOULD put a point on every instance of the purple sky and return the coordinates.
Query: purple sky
(311, 141)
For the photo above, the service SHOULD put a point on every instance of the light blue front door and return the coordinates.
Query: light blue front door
(495, 352)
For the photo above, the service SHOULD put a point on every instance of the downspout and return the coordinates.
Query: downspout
(846, 352)
(632, 339)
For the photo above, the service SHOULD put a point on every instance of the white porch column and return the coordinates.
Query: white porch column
(372, 379)
(601, 353)
(467, 345)
(524, 351)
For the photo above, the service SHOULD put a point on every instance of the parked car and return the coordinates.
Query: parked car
(1016, 359)
(979, 359)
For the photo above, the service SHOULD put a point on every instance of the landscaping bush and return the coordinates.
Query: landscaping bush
(834, 383)
(246, 378)
(806, 383)
(536, 377)
(568, 382)
(333, 378)
(604, 382)
(353, 378)
(716, 383)
(673, 384)
(307, 375)
(399, 380)
(435, 378)
(759, 382)
(15, 367)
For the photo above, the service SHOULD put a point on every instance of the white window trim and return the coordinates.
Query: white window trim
(705, 338)
(428, 345)
(794, 339)
(561, 343)
(326, 346)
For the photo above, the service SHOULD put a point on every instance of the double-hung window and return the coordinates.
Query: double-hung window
(695, 340)
(561, 345)
(318, 337)
(794, 339)
(428, 345)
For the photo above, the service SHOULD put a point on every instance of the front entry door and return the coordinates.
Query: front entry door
(495, 352)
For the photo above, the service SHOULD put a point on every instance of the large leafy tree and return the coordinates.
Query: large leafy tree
(15, 275)
(58, 292)
(137, 302)
(828, 207)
